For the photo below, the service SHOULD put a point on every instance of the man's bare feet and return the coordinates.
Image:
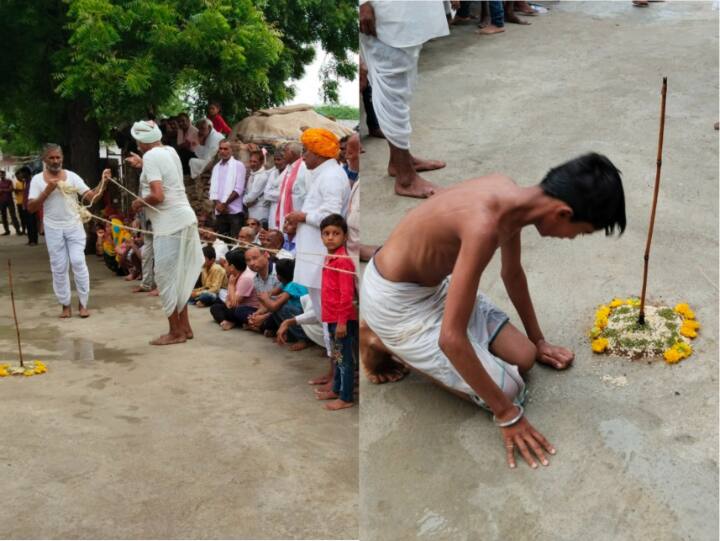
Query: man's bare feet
(139, 289)
(66, 312)
(485, 21)
(168, 339)
(414, 186)
(420, 165)
(640, 3)
(130, 277)
(514, 19)
(154, 292)
(322, 380)
(325, 395)
(84, 312)
(298, 346)
(338, 405)
(376, 359)
(524, 8)
(490, 29)
(227, 325)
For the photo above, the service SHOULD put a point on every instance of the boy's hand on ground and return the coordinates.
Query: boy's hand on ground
(528, 441)
(556, 356)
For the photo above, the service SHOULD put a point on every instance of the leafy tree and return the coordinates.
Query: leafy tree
(78, 68)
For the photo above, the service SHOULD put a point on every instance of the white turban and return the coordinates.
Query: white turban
(146, 131)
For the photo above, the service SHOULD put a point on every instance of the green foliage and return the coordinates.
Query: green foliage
(667, 313)
(124, 59)
(339, 112)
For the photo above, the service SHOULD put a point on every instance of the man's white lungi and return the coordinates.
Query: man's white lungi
(407, 318)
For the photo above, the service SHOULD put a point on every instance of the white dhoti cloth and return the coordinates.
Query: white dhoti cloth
(313, 329)
(66, 248)
(392, 72)
(407, 318)
(197, 166)
(178, 262)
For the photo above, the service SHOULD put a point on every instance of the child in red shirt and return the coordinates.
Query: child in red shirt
(337, 293)
(218, 121)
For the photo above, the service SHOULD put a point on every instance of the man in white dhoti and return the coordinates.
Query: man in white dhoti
(176, 242)
(328, 193)
(227, 186)
(207, 147)
(292, 187)
(254, 194)
(392, 35)
(55, 190)
(420, 299)
(272, 186)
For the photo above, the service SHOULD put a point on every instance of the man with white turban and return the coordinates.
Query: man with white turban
(176, 242)
(391, 37)
(207, 147)
(55, 190)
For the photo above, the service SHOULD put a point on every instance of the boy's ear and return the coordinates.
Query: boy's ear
(564, 212)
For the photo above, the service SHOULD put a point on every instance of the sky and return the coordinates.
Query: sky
(308, 87)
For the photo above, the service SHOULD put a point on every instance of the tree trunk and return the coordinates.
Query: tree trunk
(82, 143)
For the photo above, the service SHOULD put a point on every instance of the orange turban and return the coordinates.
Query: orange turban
(321, 142)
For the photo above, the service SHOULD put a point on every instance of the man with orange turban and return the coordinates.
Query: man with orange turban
(328, 192)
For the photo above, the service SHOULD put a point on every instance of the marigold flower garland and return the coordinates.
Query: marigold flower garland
(666, 332)
(30, 369)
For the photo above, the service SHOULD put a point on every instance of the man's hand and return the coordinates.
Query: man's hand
(220, 208)
(557, 357)
(134, 161)
(137, 204)
(341, 330)
(282, 332)
(367, 19)
(525, 438)
(296, 217)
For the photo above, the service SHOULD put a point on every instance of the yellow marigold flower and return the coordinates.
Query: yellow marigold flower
(601, 322)
(685, 310)
(683, 348)
(632, 302)
(599, 345)
(29, 373)
(691, 324)
(4, 372)
(615, 303)
(687, 331)
(672, 356)
(594, 332)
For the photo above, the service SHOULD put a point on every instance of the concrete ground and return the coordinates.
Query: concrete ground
(217, 438)
(634, 462)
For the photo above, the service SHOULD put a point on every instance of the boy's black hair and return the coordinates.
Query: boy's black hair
(209, 252)
(285, 270)
(336, 220)
(236, 258)
(591, 186)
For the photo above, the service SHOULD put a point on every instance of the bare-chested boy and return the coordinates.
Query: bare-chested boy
(440, 326)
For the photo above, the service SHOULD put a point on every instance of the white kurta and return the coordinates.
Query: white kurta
(272, 194)
(299, 191)
(391, 57)
(328, 193)
(254, 195)
(205, 153)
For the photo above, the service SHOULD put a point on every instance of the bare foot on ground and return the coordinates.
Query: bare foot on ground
(338, 405)
(154, 293)
(376, 359)
(66, 312)
(490, 29)
(415, 186)
(84, 312)
(139, 289)
(514, 19)
(322, 380)
(168, 339)
(325, 395)
(298, 346)
(227, 325)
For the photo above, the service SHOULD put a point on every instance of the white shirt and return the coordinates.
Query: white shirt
(57, 212)
(163, 164)
(254, 194)
(328, 193)
(401, 23)
(221, 249)
(299, 191)
(210, 148)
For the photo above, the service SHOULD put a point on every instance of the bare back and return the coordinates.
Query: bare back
(424, 246)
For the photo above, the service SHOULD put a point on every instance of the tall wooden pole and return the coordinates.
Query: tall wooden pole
(641, 319)
(12, 300)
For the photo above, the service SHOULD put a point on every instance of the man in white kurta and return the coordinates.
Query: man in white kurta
(293, 186)
(392, 34)
(176, 242)
(271, 194)
(328, 193)
(255, 190)
(56, 191)
(205, 150)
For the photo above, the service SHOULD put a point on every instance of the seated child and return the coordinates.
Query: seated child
(212, 278)
(241, 301)
(289, 228)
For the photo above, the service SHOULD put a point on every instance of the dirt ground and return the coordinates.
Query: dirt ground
(637, 442)
(217, 438)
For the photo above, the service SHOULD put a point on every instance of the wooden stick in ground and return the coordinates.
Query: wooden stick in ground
(641, 319)
(12, 300)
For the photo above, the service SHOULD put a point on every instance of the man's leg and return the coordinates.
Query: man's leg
(148, 264)
(223, 225)
(510, 15)
(497, 19)
(75, 239)
(370, 117)
(13, 217)
(513, 347)
(3, 209)
(59, 265)
(236, 222)
(219, 311)
(32, 228)
(184, 317)
(23, 219)
(176, 332)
